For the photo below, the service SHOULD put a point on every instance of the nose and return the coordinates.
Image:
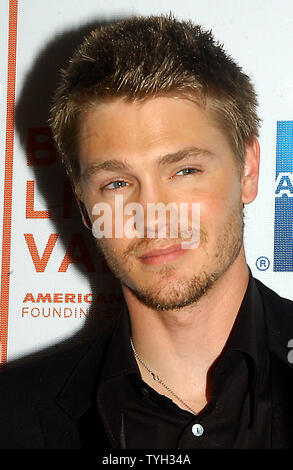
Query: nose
(158, 216)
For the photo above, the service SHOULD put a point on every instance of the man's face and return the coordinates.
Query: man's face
(163, 150)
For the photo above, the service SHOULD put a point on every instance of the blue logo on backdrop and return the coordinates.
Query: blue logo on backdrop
(283, 233)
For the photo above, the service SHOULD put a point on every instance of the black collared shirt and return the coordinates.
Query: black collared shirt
(238, 414)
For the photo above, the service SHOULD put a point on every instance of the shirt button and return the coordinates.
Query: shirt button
(197, 430)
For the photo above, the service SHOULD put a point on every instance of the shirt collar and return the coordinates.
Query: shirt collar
(248, 334)
(119, 359)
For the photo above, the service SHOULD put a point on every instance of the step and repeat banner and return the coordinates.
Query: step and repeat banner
(54, 285)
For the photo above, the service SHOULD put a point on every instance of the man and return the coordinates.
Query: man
(154, 111)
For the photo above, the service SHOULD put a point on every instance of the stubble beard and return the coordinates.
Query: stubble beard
(170, 294)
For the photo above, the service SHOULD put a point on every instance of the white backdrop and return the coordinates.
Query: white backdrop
(257, 34)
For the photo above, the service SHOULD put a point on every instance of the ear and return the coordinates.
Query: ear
(83, 211)
(251, 171)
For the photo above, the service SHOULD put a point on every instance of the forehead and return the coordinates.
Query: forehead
(155, 126)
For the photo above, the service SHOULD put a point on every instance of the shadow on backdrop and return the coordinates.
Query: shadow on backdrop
(32, 112)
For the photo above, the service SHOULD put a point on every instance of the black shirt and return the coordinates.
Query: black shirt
(238, 414)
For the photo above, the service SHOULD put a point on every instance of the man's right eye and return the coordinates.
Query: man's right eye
(114, 185)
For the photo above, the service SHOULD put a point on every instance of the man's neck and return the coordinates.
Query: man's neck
(182, 345)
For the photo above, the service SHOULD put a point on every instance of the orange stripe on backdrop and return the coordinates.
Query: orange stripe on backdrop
(7, 208)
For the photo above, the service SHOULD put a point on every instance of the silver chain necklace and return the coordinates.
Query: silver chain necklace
(157, 378)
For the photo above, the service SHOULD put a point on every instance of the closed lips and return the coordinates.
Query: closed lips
(163, 251)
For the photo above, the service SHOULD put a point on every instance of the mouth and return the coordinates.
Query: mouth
(162, 256)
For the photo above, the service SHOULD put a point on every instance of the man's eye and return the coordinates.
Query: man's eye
(115, 185)
(187, 171)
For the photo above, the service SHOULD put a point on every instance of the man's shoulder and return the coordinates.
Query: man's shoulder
(274, 303)
(48, 369)
(279, 320)
(32, 390)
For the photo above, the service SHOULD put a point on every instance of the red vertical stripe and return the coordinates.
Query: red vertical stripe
(7, 209)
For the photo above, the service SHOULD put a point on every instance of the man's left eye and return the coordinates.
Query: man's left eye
(186, 171)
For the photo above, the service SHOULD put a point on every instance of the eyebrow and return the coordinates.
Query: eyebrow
(183, 154)
(114, 165)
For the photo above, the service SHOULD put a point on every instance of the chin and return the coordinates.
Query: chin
(176, 294)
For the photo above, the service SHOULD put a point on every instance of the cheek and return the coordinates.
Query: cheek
(216, 208)
(116, 246)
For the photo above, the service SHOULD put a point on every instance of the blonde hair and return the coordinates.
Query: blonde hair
(144, 57)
